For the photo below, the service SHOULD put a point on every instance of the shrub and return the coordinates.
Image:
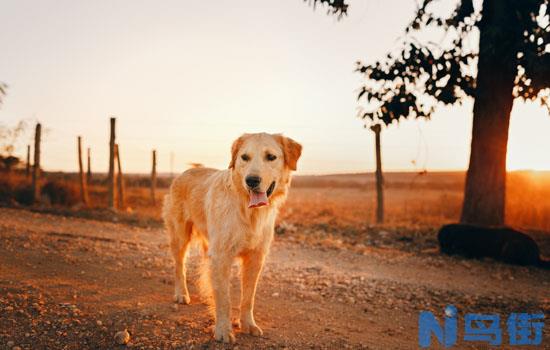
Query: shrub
(15, 188)
(23, 194)
(60, 192)
(6, 189)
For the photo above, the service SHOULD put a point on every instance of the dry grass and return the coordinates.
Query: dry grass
(344, 201)
(349, 207)
(432, 199)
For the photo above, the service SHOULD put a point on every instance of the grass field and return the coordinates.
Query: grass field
(410, 199)
(348, 200)
(429, 199)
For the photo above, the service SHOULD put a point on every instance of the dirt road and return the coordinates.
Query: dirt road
(73, 283)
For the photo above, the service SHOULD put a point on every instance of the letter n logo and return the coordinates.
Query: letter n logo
(428, 325)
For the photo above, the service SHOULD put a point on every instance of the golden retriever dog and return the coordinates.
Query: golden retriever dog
(232, 212)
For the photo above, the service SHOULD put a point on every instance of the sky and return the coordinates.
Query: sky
(188, 77)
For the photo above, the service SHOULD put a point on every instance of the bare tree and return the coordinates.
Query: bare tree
(9, 139)
(3, 88)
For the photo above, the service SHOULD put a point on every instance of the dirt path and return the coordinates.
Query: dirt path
(73, 283)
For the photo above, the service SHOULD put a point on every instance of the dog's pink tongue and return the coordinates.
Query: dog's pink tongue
(257, 199)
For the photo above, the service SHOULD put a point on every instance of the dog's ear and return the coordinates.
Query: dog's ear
(292, 151)
(235, 149)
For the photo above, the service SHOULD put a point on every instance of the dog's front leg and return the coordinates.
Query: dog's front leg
(252, 266)
(220, 273)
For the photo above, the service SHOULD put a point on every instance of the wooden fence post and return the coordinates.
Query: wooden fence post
(379, 177)
(83, 188)
(28, 168)
(154, 177)
(111, 176)
(89, 171)
(36, 166)
(120, 178)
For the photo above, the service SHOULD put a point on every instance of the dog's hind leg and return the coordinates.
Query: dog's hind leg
(180, 238)
(251, 268)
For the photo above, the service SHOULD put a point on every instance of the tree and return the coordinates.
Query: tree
(8, 162)
(3, 88)
(511, 60)
(9, 138)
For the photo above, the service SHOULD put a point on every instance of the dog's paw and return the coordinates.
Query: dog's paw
(224, 335)
(182, 299)
(251, 328)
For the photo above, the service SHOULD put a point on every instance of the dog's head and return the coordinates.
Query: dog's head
(261, 164)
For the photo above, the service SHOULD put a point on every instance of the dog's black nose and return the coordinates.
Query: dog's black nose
(253, 181)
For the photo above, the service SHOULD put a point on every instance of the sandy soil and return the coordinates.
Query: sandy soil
(73, 283)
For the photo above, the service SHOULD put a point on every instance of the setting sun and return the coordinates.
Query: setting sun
(529, 140)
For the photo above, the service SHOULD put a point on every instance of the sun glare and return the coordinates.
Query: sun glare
(529, 140)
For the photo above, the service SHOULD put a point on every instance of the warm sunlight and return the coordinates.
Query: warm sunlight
(529, 140)
(282, 174)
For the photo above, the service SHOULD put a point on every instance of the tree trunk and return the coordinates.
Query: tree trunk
(484, 195)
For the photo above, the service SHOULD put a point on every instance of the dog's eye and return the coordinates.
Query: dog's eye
(245, 157)
(271, 157)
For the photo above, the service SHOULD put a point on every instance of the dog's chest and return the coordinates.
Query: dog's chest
(259, 229)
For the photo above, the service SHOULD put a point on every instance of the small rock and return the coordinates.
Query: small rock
(275, 295)
(10, 343)
(99, 323)
(122, 337)
(314, 269)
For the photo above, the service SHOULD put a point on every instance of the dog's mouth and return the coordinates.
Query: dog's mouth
(270, 189)
(259, 199)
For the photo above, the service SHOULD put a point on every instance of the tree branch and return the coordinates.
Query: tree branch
(335, 7)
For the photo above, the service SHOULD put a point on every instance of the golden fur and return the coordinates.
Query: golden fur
(212, 206)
